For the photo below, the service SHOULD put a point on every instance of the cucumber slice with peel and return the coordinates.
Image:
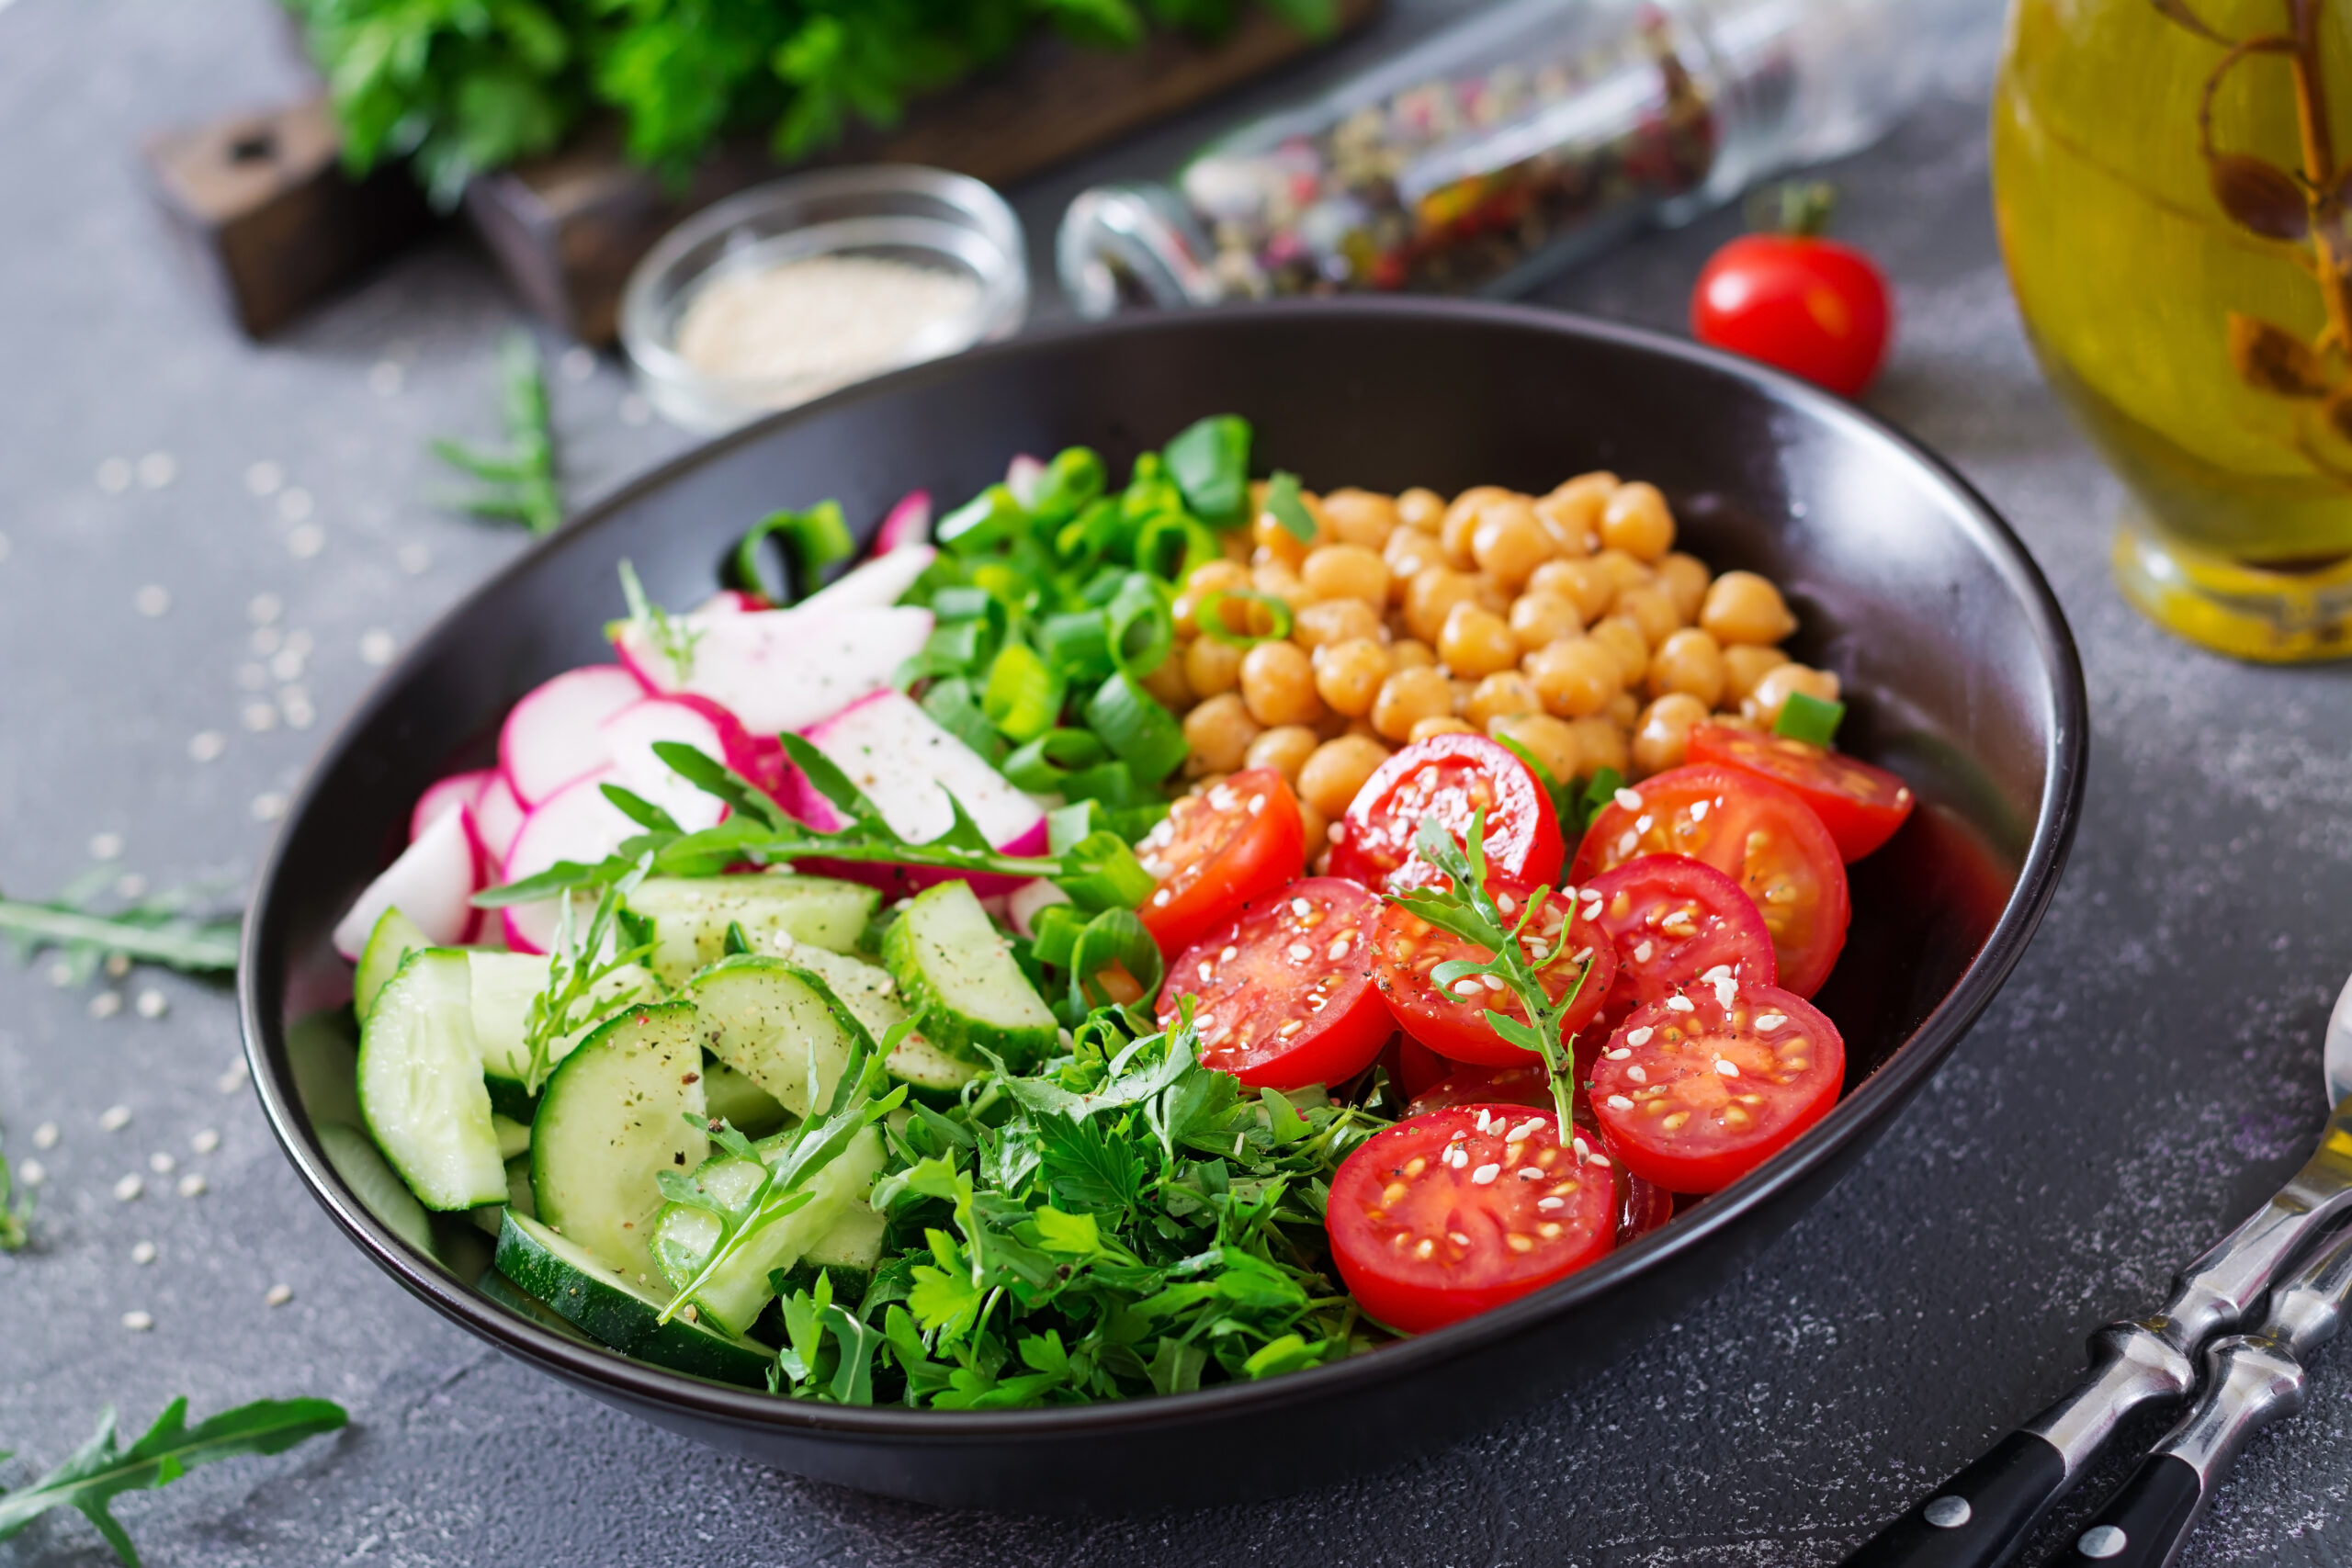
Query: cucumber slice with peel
(871, 996)
(732, 1298)
(625, 1106)
(395, 937)
(779, 1025)
(421, 1085)
(504, 984)
(850, 1252)
(743, 1104)
(691, 915)
(617, 1310)
(957, 976)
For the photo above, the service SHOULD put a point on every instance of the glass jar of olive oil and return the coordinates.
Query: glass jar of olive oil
(2171, 180)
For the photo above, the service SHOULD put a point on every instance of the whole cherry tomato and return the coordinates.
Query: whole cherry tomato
(1810, 306)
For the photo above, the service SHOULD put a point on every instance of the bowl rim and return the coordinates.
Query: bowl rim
(1912, 1062)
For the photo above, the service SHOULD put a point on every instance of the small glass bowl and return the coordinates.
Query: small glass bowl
(894, 211)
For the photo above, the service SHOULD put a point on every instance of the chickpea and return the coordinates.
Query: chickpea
(1334, 620)
(1431, 597)
(1505, 694)
(1236, 545)
(1476, 641)
(1335, 775)
(1687, 663)
(1461, 524)
(1733, 721)
(1276, 544)
(1212, 668)
(1168, 684)
(1624, 639)
(1411, 653)
(1624, 709)
(1745, 664)
(1360, 517)
(1662, 735)
(1600, 743)
(1362, 729)
(1348, 674)
(1509, 543)
(1219, 732)
(1490, 595)
(1346, 571)
(1266, 532)
(1537, 618)
(1283, 748)
(1743, 607)
(1279, 582)
(1316, 832)
(1209, 577)
(1623, 570)
(1573, 511)
(1582, 582)
(1773, 692)
(1685, 580)
(1278, 683)
(1574, 678)
(1408, 697)
(1447, 725)
(1551, 741)
(1420, 508)
(1333, 724)
(1638, 520)
(1408, 553)
(1462, 691)
(1650, 608)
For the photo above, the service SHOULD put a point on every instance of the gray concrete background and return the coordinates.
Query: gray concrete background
(2149, 1075)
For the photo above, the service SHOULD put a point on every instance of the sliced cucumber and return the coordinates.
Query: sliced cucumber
(521, 1303)
(779, 1025)
(395, 937)
(956, 974)
(518, 1193)
(505, 983)
(850, 1252)
(928, 1070)
(421, 1086)
(579, 1285)
(624, 1106)
(744, 1105)
(514, 1138)
(691, 915)
(372, 1182)
(684, 1234)
(870, 994)
(733, 1298)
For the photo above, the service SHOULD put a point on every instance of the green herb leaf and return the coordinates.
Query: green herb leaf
(1284, 502)
(525, 485)
(1600, 794)
(1209, 461)
(1809, 719)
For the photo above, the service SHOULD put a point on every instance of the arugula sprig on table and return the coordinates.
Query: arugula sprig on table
(14, 1211)
(1468, 911)
(168, 928)
(522, 482)
(100, 1470)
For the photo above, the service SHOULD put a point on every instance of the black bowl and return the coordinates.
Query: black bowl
(1961, 672)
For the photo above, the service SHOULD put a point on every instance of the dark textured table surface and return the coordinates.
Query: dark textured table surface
(2148, 1076)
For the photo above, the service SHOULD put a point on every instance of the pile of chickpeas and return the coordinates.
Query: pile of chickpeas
(1566, 622)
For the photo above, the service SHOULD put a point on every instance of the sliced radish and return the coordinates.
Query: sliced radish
(1025, 477)
(879, 582)
(431, 883)
(730, 602)
(444, 796)
(698, 722)
(905, 524)
(779, 669)
(497, 817)
(1024, 903)
(551, 736)
(576, 823)
(908, 766)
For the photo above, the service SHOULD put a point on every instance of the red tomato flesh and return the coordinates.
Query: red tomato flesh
(1754, 831)
(1447, 778)
(1861, 806)
(1452, 1020)
(1237, 841)
(1444, 1216)
(1698, 1090)
(1670, 918)
(1642, 1206)
(1283, 994)
(1815, 307)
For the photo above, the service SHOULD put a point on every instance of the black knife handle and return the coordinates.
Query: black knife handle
(1977, 1518)
(2144, 1523)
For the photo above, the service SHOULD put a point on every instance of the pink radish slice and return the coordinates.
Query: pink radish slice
(431, 883)
(576, 823)
(908, 766)
(1025, 902)
(1025, 477)
(779, 669)
(700, 723)
(444, 796)
(497, 817)
(879, 582)
(905, 524)
(730, 602)
(551, 736)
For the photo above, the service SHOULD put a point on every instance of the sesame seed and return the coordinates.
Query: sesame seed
(1300, 952)
(113, 1118)
(1642, 953)
(377, 647)
(114, 476)
(106, 1004)
(1208, 972)
(1549, 1204)
(1720, 972)
(117, 965)
(1598, 1159)
(137, 1322)
(45, 1136)
(1728, 1069)
(1628, 843)
(264, 478)
(60, 974)
(294, 504)
(1228, 955)
(205, 1141)
(1642, 824)
(1636, 1073)
(1629, 800)
(1160, 900)
(151, 600)
(1726, 992)
(1581, 1147)
(143, 1254)
(1338, 950)
(1484, 1175)
(128, 1188)
(1484, 1117)
(152, 1004)
(1618, 1102)
(1468, 986)
(157, 469)
(1457, 1239)
(414, 560)
(130, 884)
(1524, 1131)
(1641, 1036)
(1680, 1004)
(206, 745)
(234, 1080)
(259, 717)
(31, 1172)
(193, 1184)
(268, 805)
(1768, 1021)
(1698, 811)
(281, 1294)
(160, 1163)
(1301, 907)
(1257, 804)
(1530, 1173)
(1492, 981)
(1506, 903)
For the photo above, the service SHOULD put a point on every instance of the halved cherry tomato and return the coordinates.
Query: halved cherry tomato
(1642, 1206)
(1412, 1066)
(1453, 1021)
(1441, 1217)
(1698, 1090)
(1861, 806)
(1285, 993)
(1754, 831)
(1240, 840)
(1670, 920)
(1448, 777)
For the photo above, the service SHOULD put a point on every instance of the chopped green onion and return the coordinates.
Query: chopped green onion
(1072, 482)
(813, 539)
(1112, 783)
(1114, 936)
(1809, 719)
(1022, 696)
(1209, 613)
(1142, 632)
(959, 643)
(1083, 542)
(1068, 825)
(1171, 543)
(1042, 766)
(962, 604)
(987, 521)
(958, 712)
(925, 666)
(1210, 463)
(1135, 728)
(1117, 880)
(1283, 501)
(1077, 643)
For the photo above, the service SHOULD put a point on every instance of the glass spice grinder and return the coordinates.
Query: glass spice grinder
(1492, 154)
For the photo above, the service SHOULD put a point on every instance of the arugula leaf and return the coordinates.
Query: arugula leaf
(1209, 461)
(671, 638)
(583, 962)
(15, 1210)
(522, 480)
(99, 1471)
(154, 928)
